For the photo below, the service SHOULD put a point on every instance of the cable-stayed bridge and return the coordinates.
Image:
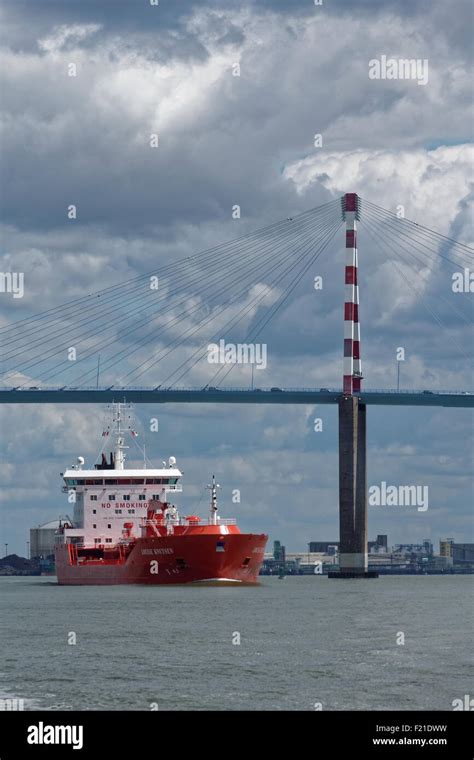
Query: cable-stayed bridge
(159, 327)
(154, 330)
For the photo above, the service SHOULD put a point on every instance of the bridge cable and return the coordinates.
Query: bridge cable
(412, 254)
(287, 233)
(255, 254)
(374, 234)
(422, 228)
(229, 285)
(284, 296)
(244, 311)
(273, 226)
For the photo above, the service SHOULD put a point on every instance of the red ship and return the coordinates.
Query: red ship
(125, 529)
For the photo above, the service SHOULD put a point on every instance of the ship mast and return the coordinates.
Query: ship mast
(213, 489)
(119, 451)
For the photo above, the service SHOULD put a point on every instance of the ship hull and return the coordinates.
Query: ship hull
(207, 558)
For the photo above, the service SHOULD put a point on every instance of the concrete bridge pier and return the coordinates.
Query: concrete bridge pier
(352, 491)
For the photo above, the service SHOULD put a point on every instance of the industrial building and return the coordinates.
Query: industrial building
(463, 553)
(407, 559)
(456, 554)
(446, 547)
(42, 540)
(379, 545)
(325, 547)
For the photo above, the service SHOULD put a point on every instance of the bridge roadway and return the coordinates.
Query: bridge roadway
(310, 396)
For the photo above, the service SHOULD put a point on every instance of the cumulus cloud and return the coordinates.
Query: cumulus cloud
(66, 35)
(431, 185)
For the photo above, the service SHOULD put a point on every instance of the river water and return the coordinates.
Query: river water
(305, 643)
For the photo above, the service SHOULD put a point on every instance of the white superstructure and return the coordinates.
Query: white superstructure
(111, 501)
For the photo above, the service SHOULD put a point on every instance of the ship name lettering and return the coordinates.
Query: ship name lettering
(166, 550)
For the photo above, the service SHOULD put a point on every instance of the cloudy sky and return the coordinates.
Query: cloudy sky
(246, 140)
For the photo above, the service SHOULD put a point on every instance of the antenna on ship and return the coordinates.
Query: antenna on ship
(119, 456)
(213, 489)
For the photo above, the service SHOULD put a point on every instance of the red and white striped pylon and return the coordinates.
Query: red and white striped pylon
(352, 372)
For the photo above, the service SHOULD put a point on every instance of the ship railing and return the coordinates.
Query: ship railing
(184, 522)
(169, 488)
(82, 545)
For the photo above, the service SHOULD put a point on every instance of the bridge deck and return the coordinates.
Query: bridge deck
(230, 396)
